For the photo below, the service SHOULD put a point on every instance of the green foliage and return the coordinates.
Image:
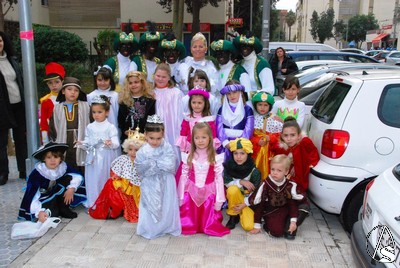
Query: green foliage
(314, 25)
(71, 69)
(57, 45)
(167, 4)
(290, 21)
(242, 10)
(290, 18)
(322, 26)
(359, 25)
(340, 30)
(106, 38)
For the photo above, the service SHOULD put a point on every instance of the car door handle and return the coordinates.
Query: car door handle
(397, 218)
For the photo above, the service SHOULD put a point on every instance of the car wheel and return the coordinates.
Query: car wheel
(350, 212)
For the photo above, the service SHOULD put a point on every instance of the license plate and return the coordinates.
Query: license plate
(385, 239)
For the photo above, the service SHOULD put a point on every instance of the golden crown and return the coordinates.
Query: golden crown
(136, 137)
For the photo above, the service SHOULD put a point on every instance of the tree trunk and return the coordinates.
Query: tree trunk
(178, 8)
(196, 16)
(290, 32)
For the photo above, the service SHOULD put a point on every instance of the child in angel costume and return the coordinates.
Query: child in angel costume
(102, 145)
(155, 164)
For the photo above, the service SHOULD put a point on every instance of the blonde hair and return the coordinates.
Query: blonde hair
(125, 96)
(198, 36)
(282, 159)
(130, 142)
(165, 67)
(210, 148)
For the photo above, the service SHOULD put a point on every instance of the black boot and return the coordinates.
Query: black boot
(303, 214)
(64, 210)
(22, 175)
(3, 178)
(233, 220)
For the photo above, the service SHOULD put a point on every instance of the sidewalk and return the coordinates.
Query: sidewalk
(86, 242)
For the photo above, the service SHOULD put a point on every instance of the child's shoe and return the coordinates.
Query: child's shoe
(68, 213)
(290, 236)
(233, 220)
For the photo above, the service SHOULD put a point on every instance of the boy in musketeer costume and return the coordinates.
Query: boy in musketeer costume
(53, 186)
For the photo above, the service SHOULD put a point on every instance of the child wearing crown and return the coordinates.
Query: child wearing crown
(155, 163)
(102, 145)
(122, 190)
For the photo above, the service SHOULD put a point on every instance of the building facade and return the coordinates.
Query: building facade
(86, 18)
(385, 12)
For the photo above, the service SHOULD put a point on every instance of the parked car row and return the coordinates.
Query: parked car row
(375, 239)
(356, 127)
(355, 124)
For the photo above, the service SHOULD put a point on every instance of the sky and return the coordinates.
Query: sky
(287, 4)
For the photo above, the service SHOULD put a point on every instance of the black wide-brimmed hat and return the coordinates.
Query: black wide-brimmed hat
(50, 147)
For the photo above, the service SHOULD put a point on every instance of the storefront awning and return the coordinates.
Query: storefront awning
(378, 38)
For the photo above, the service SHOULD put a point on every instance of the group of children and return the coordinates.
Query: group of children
(179, 168)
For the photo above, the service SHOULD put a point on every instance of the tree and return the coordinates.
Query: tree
(359, 25)
(322, 26)
(242, 10)
(290, 20)
(192, 6)
(5, 6)
(56, 45)
(314, 25)
(104, 45)
(340, 30)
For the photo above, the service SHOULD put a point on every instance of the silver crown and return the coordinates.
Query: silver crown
(98, 99)
(156, 119)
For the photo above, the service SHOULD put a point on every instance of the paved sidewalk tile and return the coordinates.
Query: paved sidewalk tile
(86, 242)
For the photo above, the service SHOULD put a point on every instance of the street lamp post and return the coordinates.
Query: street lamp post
(30, 92)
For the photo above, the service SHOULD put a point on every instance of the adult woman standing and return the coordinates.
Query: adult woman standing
(12, 109)
(198, 48)
(281, 65)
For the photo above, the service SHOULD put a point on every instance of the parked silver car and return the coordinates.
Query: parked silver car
(393, 58)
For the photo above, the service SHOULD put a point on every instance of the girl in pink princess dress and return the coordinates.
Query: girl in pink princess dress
(201, 186)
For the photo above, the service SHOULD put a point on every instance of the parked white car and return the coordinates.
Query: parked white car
(355, 125)
(393, 58)
(379, 227)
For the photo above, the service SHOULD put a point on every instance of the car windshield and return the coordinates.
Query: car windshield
(326, 107)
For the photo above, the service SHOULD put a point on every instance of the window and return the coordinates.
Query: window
(329, 102)
(389, 106)
(45, 3)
